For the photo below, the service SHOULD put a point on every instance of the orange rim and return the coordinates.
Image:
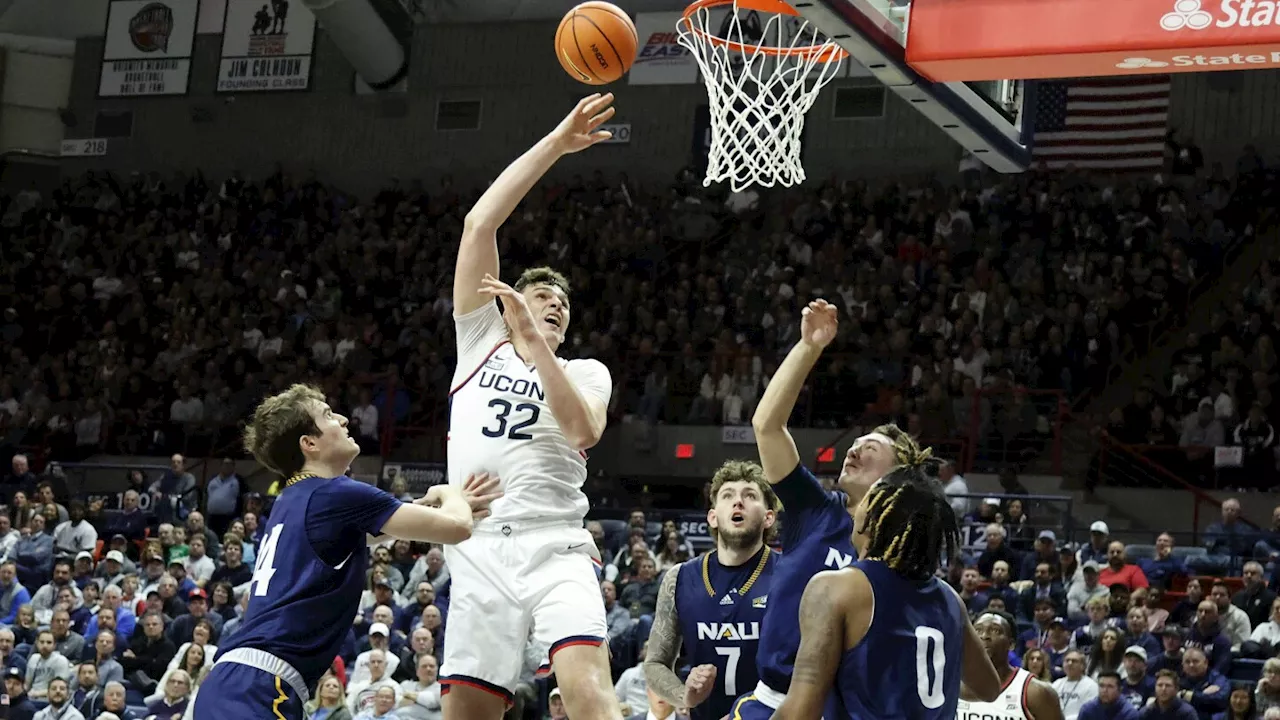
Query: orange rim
(822, 53)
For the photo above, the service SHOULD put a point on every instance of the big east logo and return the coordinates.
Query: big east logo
(150, 28)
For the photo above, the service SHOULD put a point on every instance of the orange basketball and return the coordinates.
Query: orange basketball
(596, 43)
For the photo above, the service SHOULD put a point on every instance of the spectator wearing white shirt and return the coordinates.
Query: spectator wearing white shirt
(420, 698)
(956, 489)
(360, 693)
(187, 409)
(199, 566)
(76, 535)
(8, 536)
(1075, 689)
(365, 418)
(631, 688)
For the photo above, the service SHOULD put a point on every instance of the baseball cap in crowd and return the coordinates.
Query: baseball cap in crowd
(379, 629)
(554, 693)
(992, 501)
(115, 555)
(1066, 548)
(1137, 650)
(1172, 631)
(1091, 565)
(381, 581)
(1047, 535)
(119, 537)
(14, 672)
(1099, 527)
(155, 558)
(177, 560)
(198, 593)
(84, 555)
(1058, 621)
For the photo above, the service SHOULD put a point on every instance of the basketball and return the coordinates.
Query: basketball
(596, 43)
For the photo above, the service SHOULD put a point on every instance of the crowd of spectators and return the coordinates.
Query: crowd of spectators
(148, 313)
(1128, 631)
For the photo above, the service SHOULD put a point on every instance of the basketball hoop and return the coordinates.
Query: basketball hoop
(759, 86)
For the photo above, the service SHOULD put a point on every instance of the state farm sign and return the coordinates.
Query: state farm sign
(952, 40)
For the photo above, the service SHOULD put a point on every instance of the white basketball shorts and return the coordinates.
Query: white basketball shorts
(515, 586)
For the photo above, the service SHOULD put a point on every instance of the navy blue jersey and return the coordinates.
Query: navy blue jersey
(916, 637)
(311, 571)
(720, 610)
(817, 535)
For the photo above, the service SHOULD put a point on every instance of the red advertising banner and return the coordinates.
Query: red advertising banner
(955, 40)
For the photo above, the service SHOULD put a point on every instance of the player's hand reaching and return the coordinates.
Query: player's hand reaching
(580, 128)
(479, 491)
(818, 323)
(698, 686)
(515, 309)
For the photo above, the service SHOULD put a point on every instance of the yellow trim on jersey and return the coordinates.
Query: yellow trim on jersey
(755, 574)
(299, 477)
(737, 707)
(275, 706)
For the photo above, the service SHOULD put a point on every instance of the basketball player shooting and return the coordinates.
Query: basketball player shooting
(1022, 696)
(817, 529)
(520, 413)
(311, 563)
(714, 605)
(889, 616)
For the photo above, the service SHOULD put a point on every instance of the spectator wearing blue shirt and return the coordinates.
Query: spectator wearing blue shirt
(34, 553)
(1136, 686)
(222, 494)
(1096, 550)
(1108, 705)
(1206, 634)
(1164, 567)
(1226, 540)
(13, 594)
(1138, 634)
(1267, 548)
(1168, 705)
(130, 522)
(113, 600)
(1204, 688)
(1239, 704)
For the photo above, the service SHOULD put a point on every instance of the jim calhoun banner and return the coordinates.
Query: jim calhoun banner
(147, 48)
(266, 45)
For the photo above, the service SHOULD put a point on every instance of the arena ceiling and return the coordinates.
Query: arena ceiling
(71, 19)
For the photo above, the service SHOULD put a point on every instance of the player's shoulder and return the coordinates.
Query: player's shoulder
(586, 366)
(842, 586)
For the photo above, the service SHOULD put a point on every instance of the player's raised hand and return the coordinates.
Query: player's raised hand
(515, 309)
(818, 323)
(580, 128)
(699, 684)
(479, 491)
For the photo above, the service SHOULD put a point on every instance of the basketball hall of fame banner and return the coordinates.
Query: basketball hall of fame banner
(266, 45)
(662, 60)
(146, 49)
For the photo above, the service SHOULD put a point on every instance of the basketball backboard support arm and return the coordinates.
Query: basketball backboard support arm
(1002, 139)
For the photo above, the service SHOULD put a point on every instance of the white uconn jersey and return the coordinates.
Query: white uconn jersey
(500, 423)
(1011, 705)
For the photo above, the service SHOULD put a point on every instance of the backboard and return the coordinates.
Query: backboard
(993, 119)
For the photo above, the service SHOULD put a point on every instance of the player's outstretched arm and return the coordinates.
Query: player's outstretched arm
(824, 621)
(478, 253)
(1042, 701)
(451, 521)
(778, 454)
(664, 645)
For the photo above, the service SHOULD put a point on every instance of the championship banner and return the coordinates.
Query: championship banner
(419, 476)
(266, 45)
(146, 49)
(957, 40)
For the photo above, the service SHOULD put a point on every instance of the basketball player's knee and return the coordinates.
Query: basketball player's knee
(582, 673)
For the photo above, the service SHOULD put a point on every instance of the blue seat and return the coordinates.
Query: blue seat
(1189, 551)
(1139, 552)
(137, 710)
(1245, 670)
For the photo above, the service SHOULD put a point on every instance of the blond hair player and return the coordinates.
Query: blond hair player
(528, 573)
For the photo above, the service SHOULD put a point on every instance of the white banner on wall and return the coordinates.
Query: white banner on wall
(146, 49)
(662, 60)
(266, 45)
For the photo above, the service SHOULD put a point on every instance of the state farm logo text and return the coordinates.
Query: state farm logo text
(1191, 15)
(1236, 59)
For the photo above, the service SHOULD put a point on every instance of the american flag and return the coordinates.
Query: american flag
(1116, 123)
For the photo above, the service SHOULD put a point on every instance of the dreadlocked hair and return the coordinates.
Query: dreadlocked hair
(910, 525)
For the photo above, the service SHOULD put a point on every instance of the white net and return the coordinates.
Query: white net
(757, 98)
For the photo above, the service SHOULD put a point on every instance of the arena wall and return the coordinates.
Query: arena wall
(509, 67)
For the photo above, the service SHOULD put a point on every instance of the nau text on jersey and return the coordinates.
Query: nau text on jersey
(502, 383)
(837, 559)
(729, 631)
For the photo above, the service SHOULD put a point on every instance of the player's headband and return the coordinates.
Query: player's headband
(877, 437)
(995, 617)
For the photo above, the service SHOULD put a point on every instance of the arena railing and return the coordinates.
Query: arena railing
(1117, 464)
